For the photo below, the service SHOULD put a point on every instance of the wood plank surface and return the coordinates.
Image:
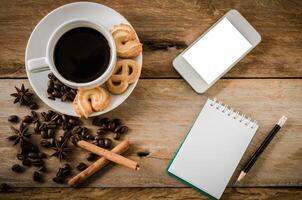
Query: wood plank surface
(167, 27)
(160, 112)
(150, 194)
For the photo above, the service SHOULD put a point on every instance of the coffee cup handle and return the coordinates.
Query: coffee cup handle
(38, 65)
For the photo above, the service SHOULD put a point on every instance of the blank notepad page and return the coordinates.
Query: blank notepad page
(213, 148)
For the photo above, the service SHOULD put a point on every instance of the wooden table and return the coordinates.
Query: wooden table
(266, 84)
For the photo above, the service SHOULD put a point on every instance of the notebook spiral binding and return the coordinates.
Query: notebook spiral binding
(234, 114)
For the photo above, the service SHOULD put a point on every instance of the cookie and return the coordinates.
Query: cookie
(127, 44)
(88, 101)
(126, 71)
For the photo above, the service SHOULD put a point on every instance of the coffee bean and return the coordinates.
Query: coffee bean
(116, 136)
(45, 143)
(59, 180)
(72, 121)
(37, 127)
(50, 113)
(43, 127)
(92, 157)
(50, 83)
(26, 162)
(17, 168)
(81, 166)
(59, 121)
(101, 143)
(33, 106)
(42, 169)
(123, 129)
(44, 134)
(5, 187)
(64, 98)
(77, 130)
(117, 129)
(57, 94)
(28, 119)
(57, 86)
(97, 137)
(50, 133)
(107, 143)
(50, 96)
(101, 131)
(50, 75)
(13, 118)
(37, 162)
(20, 156)
(42, 155)
(111, 126)
(44, 116)
(37, 176)
(65, 118)
(33, 155)
(117, 121)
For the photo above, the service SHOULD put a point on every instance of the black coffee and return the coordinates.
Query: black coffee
(82, 55)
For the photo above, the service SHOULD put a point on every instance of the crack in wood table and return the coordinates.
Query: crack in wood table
(267, 83)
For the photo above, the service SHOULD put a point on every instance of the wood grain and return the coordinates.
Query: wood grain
(167, 27)
(150, 194)
(160, 112)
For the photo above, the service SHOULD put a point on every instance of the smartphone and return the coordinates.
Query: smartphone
(216, 51)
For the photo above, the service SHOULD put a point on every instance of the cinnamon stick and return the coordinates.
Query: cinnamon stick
(99, 164)
(109, 155)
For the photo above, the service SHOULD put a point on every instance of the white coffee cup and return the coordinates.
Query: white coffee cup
(37, 65)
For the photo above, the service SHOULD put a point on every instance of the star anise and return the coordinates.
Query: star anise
(23, 96)
(61, 150)
(19, 135)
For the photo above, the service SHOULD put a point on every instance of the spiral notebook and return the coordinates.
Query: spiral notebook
(212, 149)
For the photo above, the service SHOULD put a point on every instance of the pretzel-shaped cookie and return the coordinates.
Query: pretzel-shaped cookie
(126, 72)
(90, 100)
(127, 45)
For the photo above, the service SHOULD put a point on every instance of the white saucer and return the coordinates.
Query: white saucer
(36, 47)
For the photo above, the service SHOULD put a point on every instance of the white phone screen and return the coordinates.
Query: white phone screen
(217, 50)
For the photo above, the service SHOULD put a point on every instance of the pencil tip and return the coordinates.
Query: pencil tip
(241, 176)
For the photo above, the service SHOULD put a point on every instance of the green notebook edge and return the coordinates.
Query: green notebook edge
(180, 179)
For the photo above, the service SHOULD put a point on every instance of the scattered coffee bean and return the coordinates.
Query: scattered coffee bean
(42, 155)
(26, 162)
(37, 176)
(37, 127)
(143, 153)
(107, 143)
(33, 106)
(43, 127)
(42, 169)
(46, 143)
(117, 121)
(123, 129)
(17, 168)
(59, 180)
(50, 133)
(33, 155)
(92, 157)
(38, 162)
(111, 126)
(44, 134)
(116, 136)
(4, 187)
(13, 118)
(28, 119)
(101, 131)
(81, 166)
(20, 156)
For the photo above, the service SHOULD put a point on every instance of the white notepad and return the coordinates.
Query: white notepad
(213, 148)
